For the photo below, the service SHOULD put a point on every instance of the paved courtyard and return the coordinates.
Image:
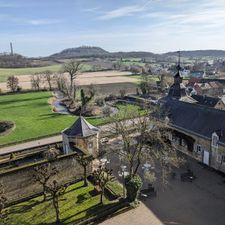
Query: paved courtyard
(201, 202)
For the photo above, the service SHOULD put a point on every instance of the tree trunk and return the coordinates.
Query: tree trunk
(56, 206)
(71, 85)
(44, 193)
(101, 196)
(50, 86)
(74, 92)
(85, 177)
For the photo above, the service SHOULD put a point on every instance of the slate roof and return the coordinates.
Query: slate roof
(205, 100)
(81, 128)
(194, 118)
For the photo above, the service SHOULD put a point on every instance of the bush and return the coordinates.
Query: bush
(111, 97)
(100, 101)
(19, 89)
(122, 93)
(106, 111)
(133, 185)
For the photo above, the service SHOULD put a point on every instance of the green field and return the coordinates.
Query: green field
(5, 73)
(33, 116)
(77, 203)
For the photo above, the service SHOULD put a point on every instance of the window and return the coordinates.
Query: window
(170, 136)
(215, 140)
(183, 142)
(90, 145)
(198, 149)
(223, 159)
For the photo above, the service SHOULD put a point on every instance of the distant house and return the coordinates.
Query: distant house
(197, 74)
(202, 88)
(185, 73)
(220, 104)
(192, 81)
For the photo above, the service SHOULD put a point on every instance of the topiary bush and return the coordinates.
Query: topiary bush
(133, 186)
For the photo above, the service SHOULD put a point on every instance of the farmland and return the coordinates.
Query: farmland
(6, 72)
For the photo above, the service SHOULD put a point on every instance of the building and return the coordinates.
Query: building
(83, 136)
(197, 74)
(198, 131)
(198, 126)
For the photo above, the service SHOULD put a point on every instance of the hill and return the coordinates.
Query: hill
(83, 51)
(86, 51)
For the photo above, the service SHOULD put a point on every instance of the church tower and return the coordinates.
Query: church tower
(175, 89)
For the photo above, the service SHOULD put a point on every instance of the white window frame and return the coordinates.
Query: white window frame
(198, 149)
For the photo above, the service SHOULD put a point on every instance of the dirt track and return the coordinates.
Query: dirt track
(105, 77)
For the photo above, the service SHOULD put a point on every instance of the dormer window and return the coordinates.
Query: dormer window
(215, 139)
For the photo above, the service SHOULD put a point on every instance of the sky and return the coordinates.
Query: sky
(44, 27)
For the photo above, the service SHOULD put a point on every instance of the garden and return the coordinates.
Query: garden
(33, 117)
(77, 205)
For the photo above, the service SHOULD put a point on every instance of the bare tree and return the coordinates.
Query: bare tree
(12, 83)
(42, 174)
(122, 93)
(48, 76)
(86, 98)
(102, 176)
(145, 84)
(3, 200)
(165, 81)
(56, 190)
(36, 81)
(62, 84)
(72, 68)
(84, 161)
(144, 138)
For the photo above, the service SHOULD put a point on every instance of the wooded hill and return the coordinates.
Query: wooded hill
(86, 51)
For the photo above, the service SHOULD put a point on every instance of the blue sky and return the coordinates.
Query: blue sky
(43, 27)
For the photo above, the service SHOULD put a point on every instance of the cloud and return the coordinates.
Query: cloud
(202, 15)
(95, 9)
(38, 22)
(122, 11)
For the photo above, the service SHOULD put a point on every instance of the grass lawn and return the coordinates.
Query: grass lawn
(78, 202)
(33, 116)
(5, 72)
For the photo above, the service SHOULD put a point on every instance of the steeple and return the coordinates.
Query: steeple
(175, 90)
(178, 67)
